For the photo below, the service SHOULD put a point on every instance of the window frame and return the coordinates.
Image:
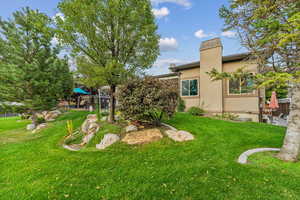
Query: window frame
(240, 89)
(189, 80)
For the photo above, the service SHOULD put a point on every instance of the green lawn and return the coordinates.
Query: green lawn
(205, 168)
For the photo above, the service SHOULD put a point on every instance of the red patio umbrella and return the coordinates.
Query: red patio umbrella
(273, 104)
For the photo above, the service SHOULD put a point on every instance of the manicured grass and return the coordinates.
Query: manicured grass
(205, 168)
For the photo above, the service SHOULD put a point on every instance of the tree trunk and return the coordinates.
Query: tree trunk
(291, 147)
(112, 103)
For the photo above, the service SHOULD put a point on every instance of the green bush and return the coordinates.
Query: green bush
(40, 120)
(196, 111)
(147, 100)
(181, 105)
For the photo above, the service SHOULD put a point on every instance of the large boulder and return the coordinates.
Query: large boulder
(88, 123)
(107, 141)
(143, 137)
(131, 128)
(30, 127)
(179, 136)
(89, 128)
(52, 115)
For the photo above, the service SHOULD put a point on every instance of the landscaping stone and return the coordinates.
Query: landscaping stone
(142, 137)
(89, 123)
(87, 138)
(30, 127)
(39, 127)
(89, 128)
(107, 141)
(244, 156)
(52, 115)
(131, 128)
(169, 126)
(72, 147)
(179, 136)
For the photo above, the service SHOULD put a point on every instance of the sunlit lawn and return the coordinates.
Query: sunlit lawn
(35, 166)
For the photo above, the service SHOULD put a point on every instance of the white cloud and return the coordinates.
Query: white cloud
(185, 3)
(168, 44)
(201, 34)
(162, 12)
(229, 34)
(161, 66)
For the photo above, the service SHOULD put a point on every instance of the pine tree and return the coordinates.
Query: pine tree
(31, 73)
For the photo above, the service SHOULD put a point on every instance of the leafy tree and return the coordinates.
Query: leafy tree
(270, 30)
(112, 40)
(31, 73)
(147, 100)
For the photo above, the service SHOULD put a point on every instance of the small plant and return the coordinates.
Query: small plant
(196, 111)
(40, 120)
(181, 105)
(104, 114)
(69, 127)
(227, 116)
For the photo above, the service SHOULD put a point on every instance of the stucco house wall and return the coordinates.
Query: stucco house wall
(214, 96)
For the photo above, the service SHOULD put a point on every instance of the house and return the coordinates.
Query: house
(216, 97)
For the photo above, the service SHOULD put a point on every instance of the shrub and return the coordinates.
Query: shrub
(181, 105)
(196, 111)
(40, 120)
(147, 100)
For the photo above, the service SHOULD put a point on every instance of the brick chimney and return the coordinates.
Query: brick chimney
(211, 92)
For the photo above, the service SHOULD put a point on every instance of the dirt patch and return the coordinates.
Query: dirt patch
(143, 137)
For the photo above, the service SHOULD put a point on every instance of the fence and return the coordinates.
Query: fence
(4, 115)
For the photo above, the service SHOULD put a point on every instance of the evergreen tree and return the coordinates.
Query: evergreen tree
(31, 73)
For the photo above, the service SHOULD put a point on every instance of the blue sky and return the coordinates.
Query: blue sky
(182, 25)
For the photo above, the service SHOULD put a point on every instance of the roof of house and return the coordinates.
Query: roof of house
(166, 75)
(225, 59)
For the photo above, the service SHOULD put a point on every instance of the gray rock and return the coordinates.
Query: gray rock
(179, 136)
(39, 127)
(30, 127)
(87, 138)
(131, 128)
(104, 118)
(89, 123)
(107, 141)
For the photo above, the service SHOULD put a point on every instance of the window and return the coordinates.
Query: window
(241, 86)
(189, 87)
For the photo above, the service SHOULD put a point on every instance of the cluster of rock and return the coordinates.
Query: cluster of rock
(133, 136)
(89, 127)
(48, 116)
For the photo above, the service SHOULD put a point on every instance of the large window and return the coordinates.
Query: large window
(240, 86)
(189, 87)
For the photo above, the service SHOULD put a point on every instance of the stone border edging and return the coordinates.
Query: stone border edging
(69, 148)
(170, 127)
(243, 158)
